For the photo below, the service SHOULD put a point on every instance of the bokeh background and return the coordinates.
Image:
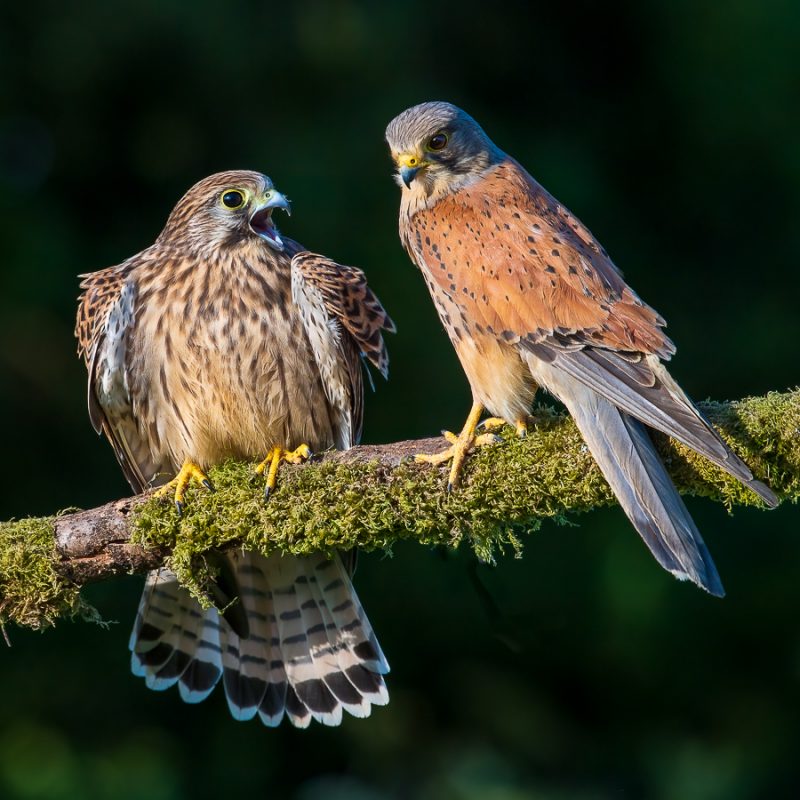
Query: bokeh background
(672, 130)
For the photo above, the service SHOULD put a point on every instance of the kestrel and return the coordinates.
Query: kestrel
(224, 340)
(530, 299)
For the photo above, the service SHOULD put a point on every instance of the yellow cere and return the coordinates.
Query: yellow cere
(406, 160)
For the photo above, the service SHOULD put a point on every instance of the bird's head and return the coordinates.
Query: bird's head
(227, 208)
(437, 148)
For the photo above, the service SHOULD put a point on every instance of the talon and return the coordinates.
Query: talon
(298, 455)
(459, 446)
(273, 460)
(188, 472)
(493, 424)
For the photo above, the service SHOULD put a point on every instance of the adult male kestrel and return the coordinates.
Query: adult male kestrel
(529, 298)
(223, 340)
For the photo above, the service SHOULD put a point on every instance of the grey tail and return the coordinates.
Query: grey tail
(623, 450)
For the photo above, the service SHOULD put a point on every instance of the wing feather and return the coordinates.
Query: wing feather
(524, 268)
(347, 297)
(106, 315)
(342, 318)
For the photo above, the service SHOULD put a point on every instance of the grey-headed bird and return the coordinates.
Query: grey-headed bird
(530, 299)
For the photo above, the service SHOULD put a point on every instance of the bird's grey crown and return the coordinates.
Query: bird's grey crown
(416, 124)
(420, 121)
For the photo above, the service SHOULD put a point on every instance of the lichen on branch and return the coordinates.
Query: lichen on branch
(32, 592)
(370, 497)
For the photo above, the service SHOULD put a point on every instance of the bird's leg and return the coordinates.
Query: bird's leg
(189, 472)
(460, 445)
(273, 460)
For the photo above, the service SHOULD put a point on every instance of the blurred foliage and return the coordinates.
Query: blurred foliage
(581, 671)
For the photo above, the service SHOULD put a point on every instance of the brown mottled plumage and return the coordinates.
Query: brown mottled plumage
(224, 340)
(529, 298)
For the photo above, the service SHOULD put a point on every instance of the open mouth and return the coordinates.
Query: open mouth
(261, 224)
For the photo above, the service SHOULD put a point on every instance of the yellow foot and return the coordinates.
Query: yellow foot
(189, 472)
(273, 460)
(460, 446)
(495, 423)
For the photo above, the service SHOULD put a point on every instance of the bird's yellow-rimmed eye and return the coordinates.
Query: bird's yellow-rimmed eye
(437, 142)
(232, 199)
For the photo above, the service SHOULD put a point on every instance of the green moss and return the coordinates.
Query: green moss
(31, 591)
(507, 490)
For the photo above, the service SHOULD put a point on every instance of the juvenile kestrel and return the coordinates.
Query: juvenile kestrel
(223, 340)
(529, 298)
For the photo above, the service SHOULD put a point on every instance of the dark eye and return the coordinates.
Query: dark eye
(233, 198)
(437, 142)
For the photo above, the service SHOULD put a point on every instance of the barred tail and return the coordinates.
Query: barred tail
(304, 649)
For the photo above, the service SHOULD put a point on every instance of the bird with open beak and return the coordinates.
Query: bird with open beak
(226, 340)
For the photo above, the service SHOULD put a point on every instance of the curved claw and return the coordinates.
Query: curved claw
(273, 460)
(188, 472)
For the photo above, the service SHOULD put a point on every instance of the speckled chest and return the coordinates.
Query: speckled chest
(417, 227)
(224, 344)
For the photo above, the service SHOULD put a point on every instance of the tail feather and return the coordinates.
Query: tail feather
(340, 660)
(316, 694)
(351, 642)
(170, 635)
(309, 651)
(245, 659)
(363, 660)
(273, 705)
(627, 458)
(202, 675)
(293, 641)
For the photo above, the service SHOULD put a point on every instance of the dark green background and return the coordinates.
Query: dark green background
(671, 129)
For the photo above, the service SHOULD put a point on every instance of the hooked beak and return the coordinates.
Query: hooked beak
(408, 166)
(261, 221)
(407, 174)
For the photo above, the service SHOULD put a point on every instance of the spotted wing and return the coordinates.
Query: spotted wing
(104, 326)
(343, 319)
(525, 269)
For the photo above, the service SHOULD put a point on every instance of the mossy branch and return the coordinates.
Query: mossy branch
(370, 497)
